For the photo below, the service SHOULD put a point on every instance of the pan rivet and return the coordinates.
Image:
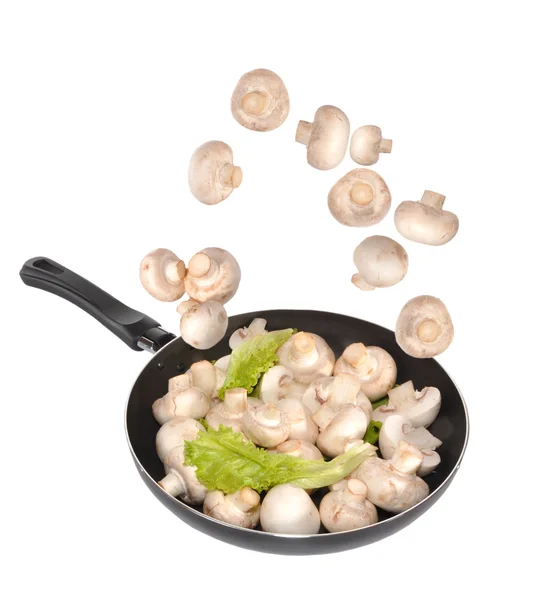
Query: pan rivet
(180, 368)
(160, 366)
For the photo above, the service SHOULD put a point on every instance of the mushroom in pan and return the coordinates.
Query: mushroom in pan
(373, 366)
(308, 356)
(342, 389)
(212, 176)
(162, 274)
(425, 221)
(397, 428)
(203, 325)
(420, 407)
(256, 327)
(288, 509)
(341, 429)
(180, 382)
(174, 433)
(260, 101)
(381, 262)
(360, 198)
(222, 364)
(431, 460)
(326, 138)
(191, 402)
(266, 425)
(181, 480)
(241, 508)
(393, 484)
(301, 423)
(278, 383)
(424, 328)
(367, 143)
(229, 412)
(213, 274)
(347, 507)
(299, 449)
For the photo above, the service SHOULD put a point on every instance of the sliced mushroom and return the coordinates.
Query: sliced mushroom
(162, 274)
(266, 425)
(397, 428)
(424, 328)
(213, 274)
(174, 433)
(367, 143)
(229, 412)
(241, 508)
(301, 423)
(347, 508)
(308, 356)
(204, 325)
(188, 403)
(288, 509)
(420, 407)
(256, 327)
(343, 431)
(326, 138)
(381, 262)
(431, 460)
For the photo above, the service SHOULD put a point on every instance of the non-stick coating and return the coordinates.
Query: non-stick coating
(339, 331)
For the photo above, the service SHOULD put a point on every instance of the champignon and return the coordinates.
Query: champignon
(174, 433)
(266, 425)
(229, 412)
(367, 143)
(420, 407)
(191, 402)
(204, 325)
(373, 366)
(341, 429)
(337, 391)
(431, 460)
(397, 428)
(260, 101)
(162, 274)
(181, 480)
(204, 376)
(241, 508)
(222, 363)
(424, 327)
(308, 356)
(278, 383)
(360, 198)
(256, 327)
(393, 484)
(425, 221)
(299, 449)
(326, 138)
(347, 508)
(301, 423)
(180, 382)
(212, 176)
(381, 262)
(288, 509)
(213, 274)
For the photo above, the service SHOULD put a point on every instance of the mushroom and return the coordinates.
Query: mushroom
(308, 356)
(326, 138)
(301, 423)
(424, 327)
(162, 274)
(180, 382)
(222, 363)
(421, 408)
(341, 429)
(204, 325)
(229, 412)
(212, 176)
(431, 460)
(299, 449)
(367, 143)
(241, 508)
(213, 274)
(204, 377)
(360, 198)
(256, 327)
(347, 508)
(260, 101)
(288, 509)
(191, 402)
(266, 425)
(425, 221)
(337, 391)
(174, 433)
(181, 480)
(278, 383)
(397, 428)
(373, 366)
(393, 484)
(381, 262)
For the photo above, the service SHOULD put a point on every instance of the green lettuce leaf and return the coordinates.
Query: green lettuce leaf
(226, 462)
(253, 358)
(372, 432)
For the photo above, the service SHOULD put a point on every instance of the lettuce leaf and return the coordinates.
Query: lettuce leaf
(372, 432)
(226, 462)
(253, 358)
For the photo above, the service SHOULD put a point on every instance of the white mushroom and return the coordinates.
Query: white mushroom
(174, 433)
(326, 138)
(204, 325)
(381, 262)
(256, 327)
(181, 480)
(222, 363)
(213, 274)
(360, 198)
(278, 383)
(308, 356)
(426, 221)
(260, 101)
(337, 391)
(266, 425)
(341, 430)
(180, 382)
(191, 402)
(397, 428)
(367, 143)
(289, 509)
(212, 176)
(393, 484)
(299, 449)
(204, 376)
(424, 328)
(241, 508)
(420, 407)
(162, 274)
(301, 423)
(347, 508)
(431, 460)
(229, 412)
(381, 413)
(373, 366)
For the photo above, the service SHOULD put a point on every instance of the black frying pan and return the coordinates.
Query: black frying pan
(174, 356)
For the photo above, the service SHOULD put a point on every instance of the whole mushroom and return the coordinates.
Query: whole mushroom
(256, 327)
(204, 376)
(212, 176)
(326, 138)
(266, 425)
(241, 508)
(260, 101)
(424, 328)
(191, 402)
(367, 143)
(337, 391)
(174, 433)
(301, 423)
(204, 325)
(181, 480)
(308, 356)
(425, 221)
(162, 274)
(341, 429)
(213, 274)
(230, 412)
(289, 509)
(347, 507)
(278, 383)
(381, 262)
(360, 198)
(180, 382)
(299, 449)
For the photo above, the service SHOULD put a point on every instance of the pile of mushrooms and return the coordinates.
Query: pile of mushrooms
(314, 406)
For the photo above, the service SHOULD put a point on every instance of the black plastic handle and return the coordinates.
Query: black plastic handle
(137, 330)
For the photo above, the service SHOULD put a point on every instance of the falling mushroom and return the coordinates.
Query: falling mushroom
(308, 356)
(241, 508)
(213, 274)
(367, 143)
(347, 507)
(204, 325)
(381, 262)
(162, 274)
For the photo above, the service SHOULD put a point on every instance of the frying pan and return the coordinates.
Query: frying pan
(173, 356)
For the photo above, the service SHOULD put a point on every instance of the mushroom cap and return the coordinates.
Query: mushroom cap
(308, 356)
(174, 433)
(365, 145)
(397, 428)
(347, 508)
(424, 328)
(191, 403)
(431, 460)
(189, 489)
(360, 198)
(210, 175)
(271, 389)
(162, 274)
(223, 363)
(289, 509)
(204, 325)
(220, 282)
(426, 224)
(317, 393)
(301, 423)
(266, 425)
(344, 431)
(300, 449)
(256, 327)
(241, 508)
(180, 382)
(381, 261)
(260, 101)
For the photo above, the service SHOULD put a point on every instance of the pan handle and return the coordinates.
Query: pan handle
(137, 330)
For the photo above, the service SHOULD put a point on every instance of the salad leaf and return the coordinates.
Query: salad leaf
(226, 462)
(372, 432)
(253, 358)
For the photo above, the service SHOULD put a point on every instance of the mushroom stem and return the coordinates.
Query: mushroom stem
(362, 193)
(385, 145)
(175, 271)
(407, 458)
(355, 492)
(303, 347)
(246, 499)
(303, 132)
(433, 199)
(254, 103)
(184, 307)
(236, 400)
(428, 331)
(230, 175)
(173, 485)
(360, 359)
(361, 283)
(202, 265)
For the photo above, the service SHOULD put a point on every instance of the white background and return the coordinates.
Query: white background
(102, 104)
